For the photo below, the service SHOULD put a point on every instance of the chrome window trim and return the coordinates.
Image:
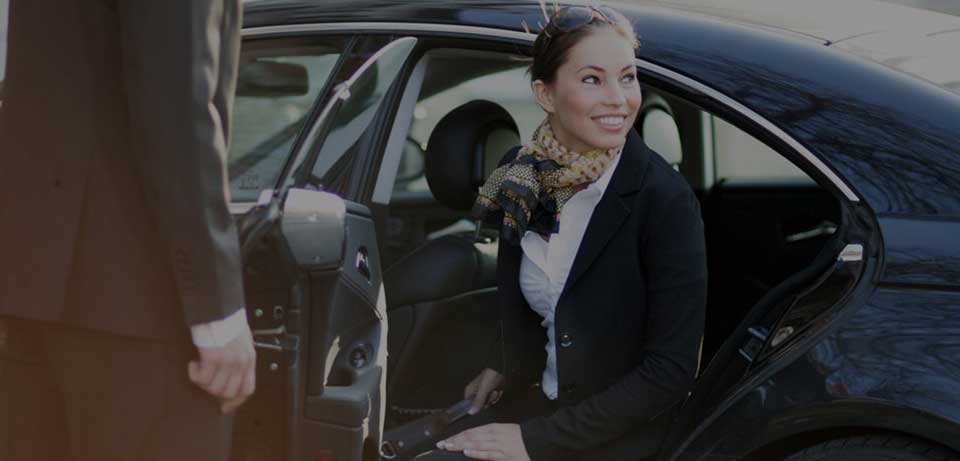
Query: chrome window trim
(529, 38)
(387, 26)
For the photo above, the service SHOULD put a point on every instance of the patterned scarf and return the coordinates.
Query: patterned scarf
(532, 189)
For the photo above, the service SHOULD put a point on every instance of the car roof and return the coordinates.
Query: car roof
(919, 42)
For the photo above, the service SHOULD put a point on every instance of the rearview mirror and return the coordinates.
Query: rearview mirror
(270, 79)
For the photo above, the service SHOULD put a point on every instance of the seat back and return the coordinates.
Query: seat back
(441, 297)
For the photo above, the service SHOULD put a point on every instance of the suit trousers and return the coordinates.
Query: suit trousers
(79, 395)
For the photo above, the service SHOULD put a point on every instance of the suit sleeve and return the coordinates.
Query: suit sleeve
(180, 64)
(675, 264)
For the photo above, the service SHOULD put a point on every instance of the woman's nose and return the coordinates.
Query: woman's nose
(615, 95)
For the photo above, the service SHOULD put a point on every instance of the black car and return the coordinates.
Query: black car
(822, 139)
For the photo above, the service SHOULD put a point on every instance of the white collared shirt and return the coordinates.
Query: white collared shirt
(546, 265)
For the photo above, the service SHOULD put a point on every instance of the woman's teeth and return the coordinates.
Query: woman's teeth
(611, 121)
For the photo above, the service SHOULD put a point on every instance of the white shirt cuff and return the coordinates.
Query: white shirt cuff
(219, 332)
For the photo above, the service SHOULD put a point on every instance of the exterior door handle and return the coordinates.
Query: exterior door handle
(851, 252)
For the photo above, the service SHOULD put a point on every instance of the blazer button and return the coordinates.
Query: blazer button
(566, 340)
(569, 388)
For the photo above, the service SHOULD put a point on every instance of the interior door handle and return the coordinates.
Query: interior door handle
(824, 228)
(363, 262)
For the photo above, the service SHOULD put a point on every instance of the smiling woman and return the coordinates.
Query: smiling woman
(601, 254)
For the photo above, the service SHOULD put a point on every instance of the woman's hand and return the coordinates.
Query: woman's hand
(483, 389)
(499, 442)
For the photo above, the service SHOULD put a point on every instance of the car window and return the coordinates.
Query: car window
(452, 78)
(740, 156)
(347, 126)
(278, 83)
(707, 149)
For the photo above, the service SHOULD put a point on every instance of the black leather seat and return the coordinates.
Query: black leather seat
(440, 297)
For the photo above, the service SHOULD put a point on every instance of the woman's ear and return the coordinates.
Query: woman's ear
(542, 92)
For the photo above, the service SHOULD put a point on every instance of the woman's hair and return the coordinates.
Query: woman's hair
(553, 43)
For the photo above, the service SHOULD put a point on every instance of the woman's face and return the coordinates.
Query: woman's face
(594, 99)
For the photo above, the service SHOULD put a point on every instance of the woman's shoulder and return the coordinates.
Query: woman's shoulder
(661, 180)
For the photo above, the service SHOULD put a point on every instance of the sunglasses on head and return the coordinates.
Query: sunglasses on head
(570, 18)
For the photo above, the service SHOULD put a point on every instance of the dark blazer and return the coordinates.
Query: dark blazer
(629, 321)
(113, 133)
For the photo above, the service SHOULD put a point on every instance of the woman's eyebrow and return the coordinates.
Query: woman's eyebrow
(600, 69)
(596, 68)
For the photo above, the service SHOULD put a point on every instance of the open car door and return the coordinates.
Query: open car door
(314, 292)
(778, 329)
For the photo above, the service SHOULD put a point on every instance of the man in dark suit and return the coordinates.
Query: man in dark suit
(120, 258)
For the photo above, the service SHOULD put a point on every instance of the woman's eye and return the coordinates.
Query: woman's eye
(629, 78)
(591, 80)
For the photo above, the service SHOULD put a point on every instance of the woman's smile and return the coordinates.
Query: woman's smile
(611, 123)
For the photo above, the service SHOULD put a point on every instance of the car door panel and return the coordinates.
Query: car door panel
(315, 293)
(758, 235)
(318, 331)
(274, 295)
(345, 379)
(344, 342)
(778, 325)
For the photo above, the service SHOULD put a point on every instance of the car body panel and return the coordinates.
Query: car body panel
(891, 365)
(921, 253)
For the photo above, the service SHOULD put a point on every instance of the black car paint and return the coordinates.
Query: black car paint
(887, 360)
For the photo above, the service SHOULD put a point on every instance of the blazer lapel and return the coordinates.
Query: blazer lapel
(612, 211)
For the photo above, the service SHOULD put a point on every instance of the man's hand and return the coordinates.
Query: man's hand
(499, 442)
(483, 390)
(228, 372)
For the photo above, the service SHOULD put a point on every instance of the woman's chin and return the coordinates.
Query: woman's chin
(609, 141)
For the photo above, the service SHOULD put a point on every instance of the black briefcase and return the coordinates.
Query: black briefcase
(399, 441)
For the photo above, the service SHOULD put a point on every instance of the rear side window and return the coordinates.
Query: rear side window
(277, 86)
(741, 156)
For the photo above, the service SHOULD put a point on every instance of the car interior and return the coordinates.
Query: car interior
(766, 221)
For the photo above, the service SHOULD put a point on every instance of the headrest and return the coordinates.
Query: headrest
(659, 129)
(464, 148)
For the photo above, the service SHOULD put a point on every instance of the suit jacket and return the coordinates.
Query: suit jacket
(113, 133)
(629, 320)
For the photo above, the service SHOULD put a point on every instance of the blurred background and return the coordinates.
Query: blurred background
(943, 6)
